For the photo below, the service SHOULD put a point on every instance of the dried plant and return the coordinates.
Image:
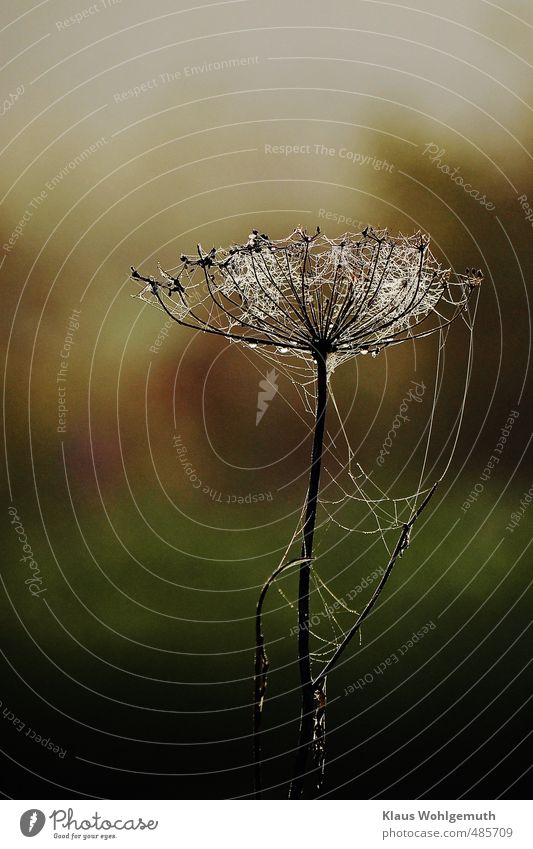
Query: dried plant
(314, 303)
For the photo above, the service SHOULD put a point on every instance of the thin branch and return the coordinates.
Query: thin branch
(304, 662)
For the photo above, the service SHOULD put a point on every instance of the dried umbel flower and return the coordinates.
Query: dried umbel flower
(323, 301)
(310, 295)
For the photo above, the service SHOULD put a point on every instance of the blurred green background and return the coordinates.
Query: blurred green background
(131, 133)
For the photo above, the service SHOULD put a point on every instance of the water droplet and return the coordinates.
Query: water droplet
(283, 350)
(253, 344)
(364, 350)
(375, 353)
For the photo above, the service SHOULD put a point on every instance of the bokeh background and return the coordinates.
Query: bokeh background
(131, 132)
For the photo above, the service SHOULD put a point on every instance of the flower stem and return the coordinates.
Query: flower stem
(260, 672)
(304, 662)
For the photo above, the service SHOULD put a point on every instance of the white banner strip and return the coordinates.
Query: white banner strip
(254, 825)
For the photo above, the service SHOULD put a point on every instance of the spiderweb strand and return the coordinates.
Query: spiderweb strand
(389, 513)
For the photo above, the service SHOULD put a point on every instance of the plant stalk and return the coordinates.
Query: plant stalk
(304, 661)
(260, 672)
